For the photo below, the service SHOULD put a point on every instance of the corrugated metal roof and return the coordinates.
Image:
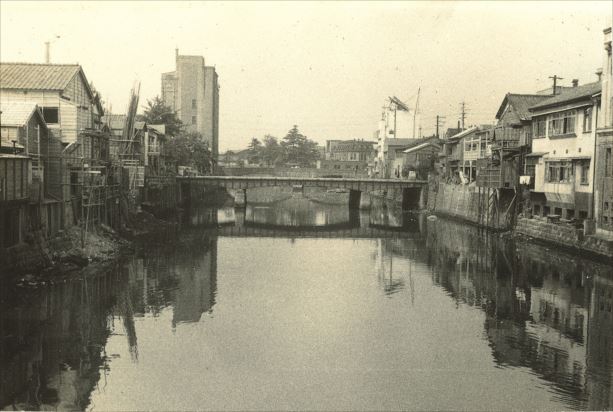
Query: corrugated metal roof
(115, 121)
(568, 95)
(18, 114)
(36, 76)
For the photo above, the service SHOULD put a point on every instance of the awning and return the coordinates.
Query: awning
(537, 196)
(567, 158)
(560, 198)
(536, 154)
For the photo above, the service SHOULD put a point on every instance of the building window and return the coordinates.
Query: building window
(51, 115)
(562, 123)
(193, 119)
(585, 173)
(607, 163)
(587, 120)
(559, 172)
(194, 105)
(539, 129)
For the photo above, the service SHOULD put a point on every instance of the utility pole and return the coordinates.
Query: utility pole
(439, 123)
(555, 78)
(415, 111)
(463, 113)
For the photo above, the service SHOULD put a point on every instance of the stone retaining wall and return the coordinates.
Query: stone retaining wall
(463, 202)
(564, 235)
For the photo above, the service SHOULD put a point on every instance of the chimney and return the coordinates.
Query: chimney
(575, 82)
(176, 52)
(599, 73)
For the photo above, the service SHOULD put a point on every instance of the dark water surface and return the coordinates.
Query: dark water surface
(306, 306)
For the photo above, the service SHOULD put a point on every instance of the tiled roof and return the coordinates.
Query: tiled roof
(36, 76)
(464, 133)
(399, 142)
(352, 146)
(416, 142)
(421, 146)
(452, 131)
(521, 103)
(569, 95)
(17, 114)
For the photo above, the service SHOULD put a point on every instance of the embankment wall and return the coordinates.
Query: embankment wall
(564, 235)
(467, 203)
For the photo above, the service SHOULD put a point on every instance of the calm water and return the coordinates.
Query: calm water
(306, 306)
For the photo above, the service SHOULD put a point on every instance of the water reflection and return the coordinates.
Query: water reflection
(350, 317)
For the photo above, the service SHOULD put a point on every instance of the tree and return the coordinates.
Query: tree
(255, 144)
(255, 147)
(271, 151)
(299, 149)
(156, 112)
(189, 149)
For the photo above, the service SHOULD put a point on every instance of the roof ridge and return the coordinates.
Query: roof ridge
(43, 64)
(527, 94)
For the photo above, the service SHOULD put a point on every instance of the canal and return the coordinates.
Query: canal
(304, 305)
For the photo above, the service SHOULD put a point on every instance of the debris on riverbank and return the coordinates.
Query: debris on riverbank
(74, 252)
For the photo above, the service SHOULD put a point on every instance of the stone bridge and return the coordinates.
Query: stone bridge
(413, 191)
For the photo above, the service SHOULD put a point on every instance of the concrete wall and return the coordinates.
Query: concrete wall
(467, 203)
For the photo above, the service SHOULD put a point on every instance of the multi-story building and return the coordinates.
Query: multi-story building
(192, 91)
(211, 106)
(355, 155)
(68, 103)
(563, 141)
(603, 188)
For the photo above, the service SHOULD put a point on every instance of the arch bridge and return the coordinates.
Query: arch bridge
(412, 190)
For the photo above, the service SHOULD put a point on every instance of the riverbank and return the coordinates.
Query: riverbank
(73, 252)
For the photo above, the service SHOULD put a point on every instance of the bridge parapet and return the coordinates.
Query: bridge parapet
(359, 184)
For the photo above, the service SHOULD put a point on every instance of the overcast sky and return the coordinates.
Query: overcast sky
(327, 67)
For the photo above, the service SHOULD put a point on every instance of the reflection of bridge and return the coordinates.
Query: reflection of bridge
(337, 230)
(411, 189)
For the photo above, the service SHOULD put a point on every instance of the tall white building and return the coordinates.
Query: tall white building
(192, 90)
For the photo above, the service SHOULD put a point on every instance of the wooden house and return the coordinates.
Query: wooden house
(61, 91)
